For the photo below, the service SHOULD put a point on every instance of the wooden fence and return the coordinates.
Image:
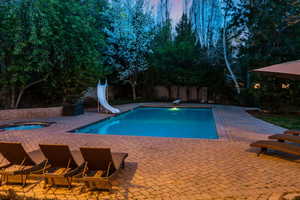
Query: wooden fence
(185, 93)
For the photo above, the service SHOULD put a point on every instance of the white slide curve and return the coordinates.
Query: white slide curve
(101, 93)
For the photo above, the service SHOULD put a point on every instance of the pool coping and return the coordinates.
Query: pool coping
(101, 120)
(44, 124)
(219, 136)
(178, 106)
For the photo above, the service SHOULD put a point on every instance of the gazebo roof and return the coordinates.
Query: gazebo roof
(289, 70)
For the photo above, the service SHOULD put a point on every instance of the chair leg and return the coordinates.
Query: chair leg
(82, 189)
(110, 186)
(69, 180)
(262, 150)
(1, 179)
(123, 164)
(6, 179)
(45, 183)
(24, 180)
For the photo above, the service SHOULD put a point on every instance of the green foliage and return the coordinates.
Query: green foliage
(185, 31)
(57, 40)
(129, 40)
(248, 97)
(181, 60)
(56, 48)
(289, 121)
(276, 99)
(272, 35)
(268, 33)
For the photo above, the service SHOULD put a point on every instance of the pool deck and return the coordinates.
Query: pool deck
(176, 168)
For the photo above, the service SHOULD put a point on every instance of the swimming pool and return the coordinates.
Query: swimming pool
(158, 122)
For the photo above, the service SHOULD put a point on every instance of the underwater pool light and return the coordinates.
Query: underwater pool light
(174, 109)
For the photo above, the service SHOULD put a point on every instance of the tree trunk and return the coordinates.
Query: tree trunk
(19, 98)
(133, 87)
(12, 96)
(226, 57)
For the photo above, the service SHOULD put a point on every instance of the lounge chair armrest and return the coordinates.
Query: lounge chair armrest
(35, 169)
(5, 166)
(76, 171)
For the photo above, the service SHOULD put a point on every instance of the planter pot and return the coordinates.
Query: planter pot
(73, 109)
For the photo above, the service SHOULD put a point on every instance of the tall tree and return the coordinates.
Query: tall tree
(268, 33)
(163, 11)
(179, 60)
(54, 40)
(188, 52)
(272, 32)
(207, 19)
(162, 46)
(228, 7)
(184, 31)
(129, 39)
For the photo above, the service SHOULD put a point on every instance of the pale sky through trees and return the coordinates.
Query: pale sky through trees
(176, 9)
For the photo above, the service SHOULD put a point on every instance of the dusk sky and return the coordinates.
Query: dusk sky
(176, 7)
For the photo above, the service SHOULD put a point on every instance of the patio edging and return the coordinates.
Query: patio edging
(30, 113)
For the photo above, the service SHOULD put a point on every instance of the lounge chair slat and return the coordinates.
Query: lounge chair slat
(58, 155)
(100, 160)
(62, 164)
(20, 163)
(287, 137)
(15, 153)
(96, 158)
(119, 158)
(292, 132)
(279, 146)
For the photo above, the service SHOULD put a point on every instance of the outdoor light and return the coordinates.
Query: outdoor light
(174, 109)
(241, 84)
(285, 86)
(257, 86)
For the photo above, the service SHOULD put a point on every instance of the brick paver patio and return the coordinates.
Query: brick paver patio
(175, 168)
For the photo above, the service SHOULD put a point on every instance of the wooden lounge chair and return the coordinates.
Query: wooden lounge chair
(286, 137)
(19, 164)
(62, 165)
(100, 167)
(279, 146)
(292, 132)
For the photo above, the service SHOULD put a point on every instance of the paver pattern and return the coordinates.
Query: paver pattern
(176, 168)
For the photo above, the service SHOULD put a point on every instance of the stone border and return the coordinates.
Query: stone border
(30, 113)
(220, 133)
(178, 106)
(16, 124)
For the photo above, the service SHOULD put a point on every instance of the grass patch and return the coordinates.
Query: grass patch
(289, 121)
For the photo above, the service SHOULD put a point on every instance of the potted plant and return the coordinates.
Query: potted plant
(73, 105)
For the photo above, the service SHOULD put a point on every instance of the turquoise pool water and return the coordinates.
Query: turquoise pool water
(21, 127)
(158, 122)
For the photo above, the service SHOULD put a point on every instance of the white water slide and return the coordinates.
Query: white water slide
(101, 93)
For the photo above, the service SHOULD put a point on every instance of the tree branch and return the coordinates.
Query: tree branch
(26, 87)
